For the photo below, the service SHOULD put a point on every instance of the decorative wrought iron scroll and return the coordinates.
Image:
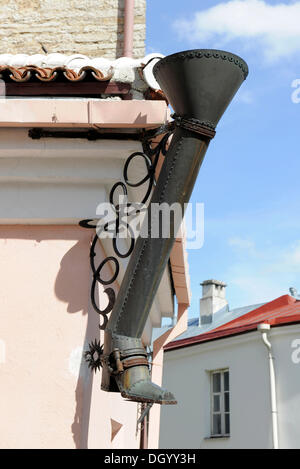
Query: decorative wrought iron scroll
(150, 156)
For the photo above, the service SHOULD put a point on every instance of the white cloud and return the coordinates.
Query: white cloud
(273, 30)
(287, 261)
(241, 243)
(262, 273)
(245, 97)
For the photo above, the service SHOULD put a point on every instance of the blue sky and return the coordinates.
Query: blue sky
(249, 181)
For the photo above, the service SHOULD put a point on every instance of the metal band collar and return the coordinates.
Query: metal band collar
(194, 125)
(118, 361)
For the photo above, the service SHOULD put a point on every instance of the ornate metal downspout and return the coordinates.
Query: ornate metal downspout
(199, 85)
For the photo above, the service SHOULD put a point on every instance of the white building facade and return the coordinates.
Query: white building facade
(223, 386)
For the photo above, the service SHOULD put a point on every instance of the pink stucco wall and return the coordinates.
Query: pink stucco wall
(48, 397)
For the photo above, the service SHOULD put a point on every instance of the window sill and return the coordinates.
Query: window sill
(217, 437)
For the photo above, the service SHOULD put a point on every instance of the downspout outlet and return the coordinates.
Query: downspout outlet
(264, 329)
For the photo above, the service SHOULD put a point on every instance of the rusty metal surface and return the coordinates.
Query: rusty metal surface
(134, 362)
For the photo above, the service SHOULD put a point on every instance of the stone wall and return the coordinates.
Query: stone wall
(90, 27)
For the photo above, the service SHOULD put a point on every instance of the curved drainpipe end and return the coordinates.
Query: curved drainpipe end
(264, 327)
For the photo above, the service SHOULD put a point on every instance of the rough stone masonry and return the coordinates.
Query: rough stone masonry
(91, 27)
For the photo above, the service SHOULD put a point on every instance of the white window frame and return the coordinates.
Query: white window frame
(221, 395)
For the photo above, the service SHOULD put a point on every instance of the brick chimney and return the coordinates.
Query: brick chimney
(213, 299)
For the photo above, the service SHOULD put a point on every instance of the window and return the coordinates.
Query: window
(220, 410)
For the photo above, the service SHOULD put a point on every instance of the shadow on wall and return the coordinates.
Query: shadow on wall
(72, 286)
(69, 287)
(83, 392)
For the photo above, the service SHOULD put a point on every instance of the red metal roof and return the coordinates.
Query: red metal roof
(283, 310)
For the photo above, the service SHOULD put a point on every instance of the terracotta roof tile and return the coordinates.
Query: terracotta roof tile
(283, 310)
(125, 77)
(23, 67)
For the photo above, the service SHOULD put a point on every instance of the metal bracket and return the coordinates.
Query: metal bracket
(144, 413)
(142, 135)
(150, 157)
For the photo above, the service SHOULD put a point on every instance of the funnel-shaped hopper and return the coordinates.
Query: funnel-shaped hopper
(201, 83)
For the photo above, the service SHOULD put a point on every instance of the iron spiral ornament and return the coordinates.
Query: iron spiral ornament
(150, 156)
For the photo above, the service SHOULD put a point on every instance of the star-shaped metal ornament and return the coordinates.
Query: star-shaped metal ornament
(93, 355)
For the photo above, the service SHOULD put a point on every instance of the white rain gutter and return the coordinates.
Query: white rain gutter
(264, 329)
